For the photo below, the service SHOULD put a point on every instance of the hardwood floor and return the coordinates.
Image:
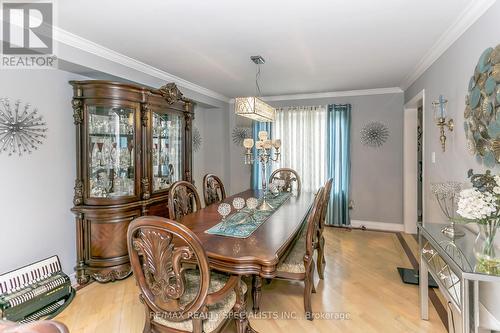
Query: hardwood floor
(360, 280)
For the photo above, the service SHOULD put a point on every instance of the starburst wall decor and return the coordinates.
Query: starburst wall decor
(239, 134)
(21, 129)
(197, 140)
(374, 134)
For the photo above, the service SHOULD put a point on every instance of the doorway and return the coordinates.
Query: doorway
(420, 165)
(414, 163)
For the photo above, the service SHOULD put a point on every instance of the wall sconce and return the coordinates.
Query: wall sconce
(440, 118)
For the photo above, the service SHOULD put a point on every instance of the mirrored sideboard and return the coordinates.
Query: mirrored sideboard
(132, 143)
(452, 264)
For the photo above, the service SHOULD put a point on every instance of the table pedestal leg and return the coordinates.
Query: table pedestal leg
(256, 292)
(240, 312)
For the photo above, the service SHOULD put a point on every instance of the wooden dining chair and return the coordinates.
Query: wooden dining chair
(213, 189)
(290, 177)
(320, 244)
(176, 298)
(183, 199)
(298, 265)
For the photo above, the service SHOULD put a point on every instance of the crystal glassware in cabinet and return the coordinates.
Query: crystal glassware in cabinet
(167, 147)
(111, 136)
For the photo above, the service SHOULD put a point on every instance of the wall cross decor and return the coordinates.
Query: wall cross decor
(21, 128)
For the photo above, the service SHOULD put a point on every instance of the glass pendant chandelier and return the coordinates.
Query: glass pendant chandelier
(254, 107)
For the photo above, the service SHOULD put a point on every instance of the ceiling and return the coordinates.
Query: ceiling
(309, 46)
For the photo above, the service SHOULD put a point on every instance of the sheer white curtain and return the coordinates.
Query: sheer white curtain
(302, 131)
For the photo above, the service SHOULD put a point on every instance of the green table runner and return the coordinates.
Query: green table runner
(244, 222)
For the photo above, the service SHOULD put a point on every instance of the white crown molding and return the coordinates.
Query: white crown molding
(468, 16)
(373, 225)
(86, 45)
(346, 93)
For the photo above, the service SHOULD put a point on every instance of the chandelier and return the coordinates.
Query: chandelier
(254, 107)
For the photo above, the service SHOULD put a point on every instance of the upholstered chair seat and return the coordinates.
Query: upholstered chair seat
(319, 244)
(294, 261)
(218, 311)
(298, 265)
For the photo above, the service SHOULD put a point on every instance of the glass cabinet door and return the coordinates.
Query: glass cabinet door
(111, 162)
(167, 149)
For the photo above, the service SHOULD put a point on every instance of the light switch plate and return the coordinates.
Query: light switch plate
(433, 157)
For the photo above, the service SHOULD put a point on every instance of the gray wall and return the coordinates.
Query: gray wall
(449, 76)
(213, 124)
(377, 174)
(37, 190)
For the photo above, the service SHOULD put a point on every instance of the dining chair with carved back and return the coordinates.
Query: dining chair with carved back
(183, 199)
(289, 177)
(213, 189)
(178, 298)
(320, 243)
(298, 264)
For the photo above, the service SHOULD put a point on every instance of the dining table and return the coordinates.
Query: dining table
(258, 254)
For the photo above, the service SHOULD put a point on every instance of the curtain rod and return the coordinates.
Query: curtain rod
(301, 107)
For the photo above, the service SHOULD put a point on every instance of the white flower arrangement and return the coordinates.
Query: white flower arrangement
(475, 205)
(481, 203)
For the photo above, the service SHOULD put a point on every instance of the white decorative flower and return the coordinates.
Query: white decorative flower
(497, 179)
(476, 205)
(238, 203)
(252, 203)
(496, 190)
(224, 209)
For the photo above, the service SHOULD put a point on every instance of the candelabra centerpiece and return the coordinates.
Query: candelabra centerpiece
(265, 157)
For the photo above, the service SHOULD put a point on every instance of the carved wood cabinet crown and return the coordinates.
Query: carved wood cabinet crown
(132, 143)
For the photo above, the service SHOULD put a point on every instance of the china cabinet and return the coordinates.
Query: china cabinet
(132, 143)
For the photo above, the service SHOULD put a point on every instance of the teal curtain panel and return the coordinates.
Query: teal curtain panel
(256, 181)
(338, 147)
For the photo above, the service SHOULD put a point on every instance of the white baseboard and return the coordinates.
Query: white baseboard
(373, 225)
(72, 278)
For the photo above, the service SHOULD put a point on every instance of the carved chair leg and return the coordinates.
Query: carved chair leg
(321, 258)
(309, 281)
(148, 315)
(197, 325)
(256, 292)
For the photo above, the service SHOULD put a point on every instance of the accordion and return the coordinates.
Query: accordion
(37, 291)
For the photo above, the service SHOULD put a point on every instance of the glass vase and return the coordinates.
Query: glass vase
(486, 250)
